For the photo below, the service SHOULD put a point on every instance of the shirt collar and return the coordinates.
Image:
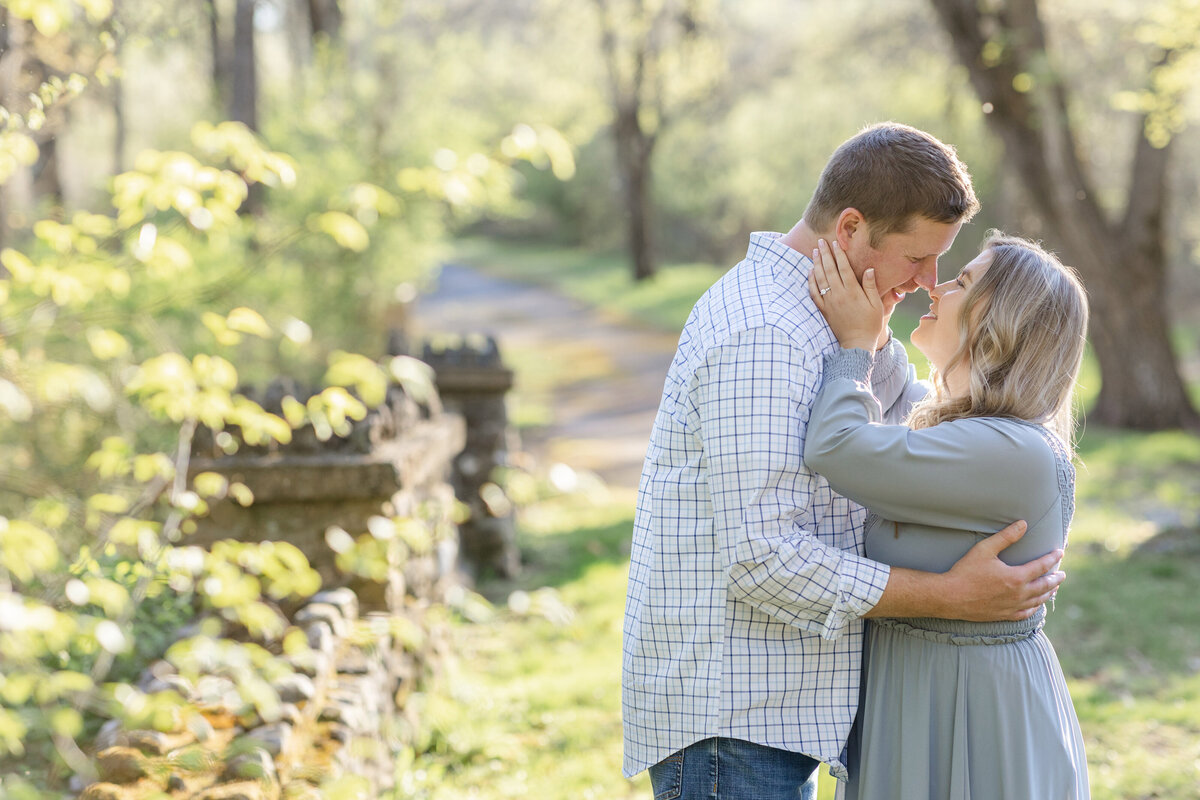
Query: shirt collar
(768, 246)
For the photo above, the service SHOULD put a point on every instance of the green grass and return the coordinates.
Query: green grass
(533, 707)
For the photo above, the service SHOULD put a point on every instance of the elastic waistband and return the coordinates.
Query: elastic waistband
(961, 632)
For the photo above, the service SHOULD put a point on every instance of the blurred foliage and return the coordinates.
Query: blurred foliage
(746, 155)
(111, 330)
(125, 328)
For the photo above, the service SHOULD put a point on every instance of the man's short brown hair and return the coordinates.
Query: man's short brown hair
(892, 174)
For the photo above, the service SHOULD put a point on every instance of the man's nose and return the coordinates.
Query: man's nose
(926, 276)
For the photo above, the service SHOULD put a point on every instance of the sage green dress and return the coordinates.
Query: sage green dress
(951, 710)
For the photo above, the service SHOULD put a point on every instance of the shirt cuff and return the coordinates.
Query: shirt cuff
(854, 364)
(861, 582)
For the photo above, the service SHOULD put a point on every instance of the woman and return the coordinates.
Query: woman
(953, 710)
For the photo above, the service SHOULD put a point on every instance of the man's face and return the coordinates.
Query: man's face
(903, 262)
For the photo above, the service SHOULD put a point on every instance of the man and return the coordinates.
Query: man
(747, 587)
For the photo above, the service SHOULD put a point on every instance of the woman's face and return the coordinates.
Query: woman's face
(937, 335)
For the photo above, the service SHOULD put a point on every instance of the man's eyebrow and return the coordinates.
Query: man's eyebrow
(932, 255)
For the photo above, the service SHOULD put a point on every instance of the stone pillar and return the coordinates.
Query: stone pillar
(394, 463)
(472, 381)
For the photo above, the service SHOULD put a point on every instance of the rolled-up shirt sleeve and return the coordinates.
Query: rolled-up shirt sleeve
(752, 396)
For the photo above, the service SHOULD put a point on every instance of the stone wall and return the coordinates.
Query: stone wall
(342, 713)
(342, 707)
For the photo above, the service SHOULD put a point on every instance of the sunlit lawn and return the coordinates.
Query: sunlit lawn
(1127, 624)
(533, 708)
(531, 705)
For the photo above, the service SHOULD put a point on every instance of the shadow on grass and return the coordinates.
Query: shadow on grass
(561, 558)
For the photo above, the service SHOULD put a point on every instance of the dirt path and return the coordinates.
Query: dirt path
(603, 376)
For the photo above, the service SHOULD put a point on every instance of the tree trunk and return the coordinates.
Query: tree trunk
(326, 18)
(16, 192)
(47, 182)
(6, 58)
(634, 145)
(634, 149)
(1123, 264)
(120, 132)
(220, 57)
(243, 105)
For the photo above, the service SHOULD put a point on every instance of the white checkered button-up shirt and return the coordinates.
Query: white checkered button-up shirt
(747, 584)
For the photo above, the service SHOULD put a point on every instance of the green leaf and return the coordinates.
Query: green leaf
(17, 688)
(294, 411)
(351, 369)
(129, 531)
(12, 733)
(67, 682)
(14, 403)
(295, 642)
(153, 465)
(261, 620)
(241, 494)
(210, 484)
(247, 320)
(17, 264)
(344, 229)
(219, 326)
(55, 234)
(415, 376)
(214, 372)
(109, 595)
(26, 550)
(369, 197)
(108, 503)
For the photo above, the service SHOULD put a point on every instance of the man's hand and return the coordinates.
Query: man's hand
(982, 588)
(979, 587)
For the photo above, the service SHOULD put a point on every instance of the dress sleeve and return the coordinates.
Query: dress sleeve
(752, 397)
(969, 474)
(894, 382)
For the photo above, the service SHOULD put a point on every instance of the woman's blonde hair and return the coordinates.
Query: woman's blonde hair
(1021, 333)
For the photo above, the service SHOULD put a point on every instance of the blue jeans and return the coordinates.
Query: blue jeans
(730, 769)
